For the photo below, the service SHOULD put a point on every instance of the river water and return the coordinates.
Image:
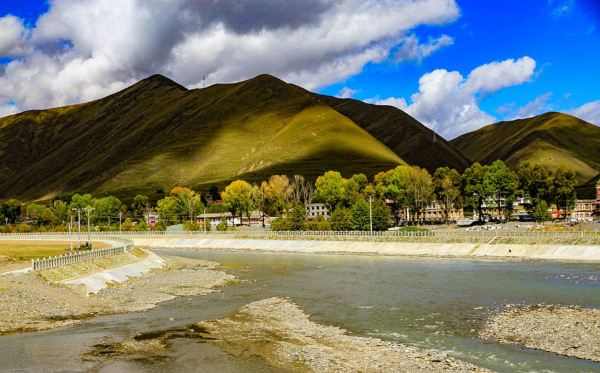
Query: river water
(432, 303)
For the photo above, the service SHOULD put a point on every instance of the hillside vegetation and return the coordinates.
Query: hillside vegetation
(555, 140)
(157, 134)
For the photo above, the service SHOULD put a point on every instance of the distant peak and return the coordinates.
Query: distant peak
(160, 80)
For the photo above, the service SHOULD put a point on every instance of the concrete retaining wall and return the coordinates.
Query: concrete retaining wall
(95, 282)
(545, 252)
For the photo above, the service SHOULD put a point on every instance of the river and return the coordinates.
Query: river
(432, 303)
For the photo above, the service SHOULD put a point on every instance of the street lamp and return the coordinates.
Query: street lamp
(88, 210)
(370, 214)
(78, 226)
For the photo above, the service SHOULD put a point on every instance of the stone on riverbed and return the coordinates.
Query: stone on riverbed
(564, 330)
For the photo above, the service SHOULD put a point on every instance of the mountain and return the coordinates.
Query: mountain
(157, 134)
(552, 139)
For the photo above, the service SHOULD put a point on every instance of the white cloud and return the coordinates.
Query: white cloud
(561, 8)
(84, 49)
(447, 102)
(412, 50)
(12, 36)
(533, 108)
(346, 92)
(590, 112)
(8, 109)
(398, 102)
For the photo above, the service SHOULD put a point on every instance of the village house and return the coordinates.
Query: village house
(214, 218)
(316, 209)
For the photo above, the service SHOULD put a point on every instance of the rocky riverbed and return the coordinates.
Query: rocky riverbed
(565, 330)
(29, 303)
(277, 330)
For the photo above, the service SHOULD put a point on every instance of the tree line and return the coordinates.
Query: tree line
(353, 203)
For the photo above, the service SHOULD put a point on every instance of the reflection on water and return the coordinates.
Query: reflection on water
(437, 304)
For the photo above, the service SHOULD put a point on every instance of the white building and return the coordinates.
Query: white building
(315, 209)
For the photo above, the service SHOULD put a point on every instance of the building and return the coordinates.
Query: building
(317, 209)
(214, 218)
(584, 210)
(434, 212)
(152, 217)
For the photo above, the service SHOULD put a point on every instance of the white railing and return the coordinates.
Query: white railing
(474, 237)
(81, 256)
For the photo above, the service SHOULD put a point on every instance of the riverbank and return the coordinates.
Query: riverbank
(569, 331)
(583, 253)
(29, 303)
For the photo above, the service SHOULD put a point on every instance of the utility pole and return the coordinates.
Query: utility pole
(78, 226)
(204, 220)
(88, 210)
(370, 214)
(120, 218)
(70, 229)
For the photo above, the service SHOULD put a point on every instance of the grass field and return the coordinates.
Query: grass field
(27, 250)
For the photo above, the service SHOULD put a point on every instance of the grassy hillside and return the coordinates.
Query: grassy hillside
(156, 134)
(402, 133)
(552, 139)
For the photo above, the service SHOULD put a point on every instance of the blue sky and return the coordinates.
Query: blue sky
(455, 65)
(565, 45)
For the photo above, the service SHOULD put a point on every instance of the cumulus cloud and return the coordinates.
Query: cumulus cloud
(346, 92)
(447, 102)
(413, 50)
(85, 49)
(12, 36)
(590, 112)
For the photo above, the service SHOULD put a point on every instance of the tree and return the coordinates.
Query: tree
(260, 200)
(501, 185)
(392, 185)
(319, 223)
(107, 208)
(341, 219)
(540, 211)
(381, 215)
(81, 201)
(238, 197)
(534, 181)
(39, 214)
(330, 189)
(296, 218)
(360, 220)
(562, 189)
(140, 205)
(60, 212)
(474, 188)
(127, 225)
(419, 188)
(354, 188)
(189, 202)
(168, 209)
(10, 211)
(446, 185)
(278, 191)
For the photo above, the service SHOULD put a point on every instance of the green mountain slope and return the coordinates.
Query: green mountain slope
(552, 139)
(157, 134)
(402, 133)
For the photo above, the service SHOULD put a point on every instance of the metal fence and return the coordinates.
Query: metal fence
(470, 237)
(82, 256)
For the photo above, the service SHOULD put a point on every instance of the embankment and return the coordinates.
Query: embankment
(588, 253)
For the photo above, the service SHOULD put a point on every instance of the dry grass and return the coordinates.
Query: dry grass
(27, 250)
